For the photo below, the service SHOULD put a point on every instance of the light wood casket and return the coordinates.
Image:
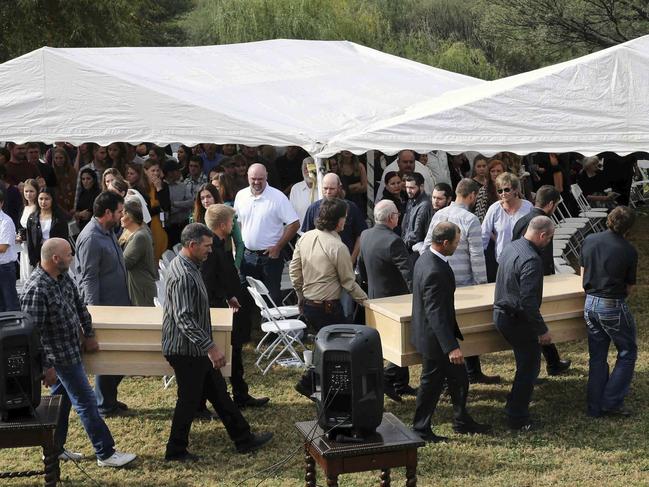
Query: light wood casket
(130, 340)
(562, 309)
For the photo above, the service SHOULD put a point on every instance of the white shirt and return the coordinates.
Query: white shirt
(46, 227)
(262, 218)
(429, 181)
(438, 166)
(301, 198)
(441, 256)
(7, 237)
(498, 221)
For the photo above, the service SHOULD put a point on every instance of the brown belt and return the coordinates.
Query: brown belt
(322, 304)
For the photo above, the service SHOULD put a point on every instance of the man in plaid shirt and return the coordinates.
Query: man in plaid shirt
(53, 302)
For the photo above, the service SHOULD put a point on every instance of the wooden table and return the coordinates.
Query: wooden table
(35, 431)
(130, 340)
(393, 445)
(562, 309)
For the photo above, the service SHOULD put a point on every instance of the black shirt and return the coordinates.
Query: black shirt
(591, 185)
(546, 252)
(609, 263)
(519, 285)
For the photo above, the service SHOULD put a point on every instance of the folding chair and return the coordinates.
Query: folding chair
(276, 312)
(286, 337)
(177, 248)
(583, 203)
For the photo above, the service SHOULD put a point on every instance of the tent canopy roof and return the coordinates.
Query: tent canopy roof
(279, 92)
(596, 103)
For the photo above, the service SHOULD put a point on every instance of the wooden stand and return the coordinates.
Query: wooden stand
(35, 431)
(130, 341)
(562, 309)
(394, 445)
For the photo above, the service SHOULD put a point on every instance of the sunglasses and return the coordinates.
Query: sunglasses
(503, 190)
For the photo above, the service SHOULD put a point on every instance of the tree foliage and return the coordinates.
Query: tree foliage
(26, 25)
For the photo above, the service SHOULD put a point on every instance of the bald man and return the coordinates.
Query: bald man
(268, 222)
(52, 300)
(517, 314)
(332, 187)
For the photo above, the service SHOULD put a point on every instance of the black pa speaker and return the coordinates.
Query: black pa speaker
(348, 371)
(20, 364)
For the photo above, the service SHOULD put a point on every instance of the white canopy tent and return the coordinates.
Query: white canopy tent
(280, 92)
(596, 103)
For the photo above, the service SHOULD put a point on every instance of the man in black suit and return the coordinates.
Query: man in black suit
(383, 264)
(435, 334)
(224, 290)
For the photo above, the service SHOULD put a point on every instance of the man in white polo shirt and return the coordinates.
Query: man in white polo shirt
(8, 258)
(268, 222)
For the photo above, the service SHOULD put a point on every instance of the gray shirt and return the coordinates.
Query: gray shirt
(100, 269)
(181, 202)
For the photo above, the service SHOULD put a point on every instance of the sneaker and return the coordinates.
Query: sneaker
(68, 455)
(117, 459)
(255, 442)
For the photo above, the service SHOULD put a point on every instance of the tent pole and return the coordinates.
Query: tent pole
(370, 185)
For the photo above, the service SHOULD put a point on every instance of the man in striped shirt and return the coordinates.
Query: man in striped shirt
(188, 346)
(468, 262)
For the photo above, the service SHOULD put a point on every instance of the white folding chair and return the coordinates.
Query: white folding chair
(168, 256)
(274, 311)
(286, 330)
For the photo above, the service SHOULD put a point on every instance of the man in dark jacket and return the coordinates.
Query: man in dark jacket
(435, 334)
(418, 212)
(517, 314)
(224, 289)
(383, 264)
(547, 199)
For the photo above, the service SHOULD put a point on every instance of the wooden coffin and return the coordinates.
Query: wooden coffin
(130, 340)
(562, 309)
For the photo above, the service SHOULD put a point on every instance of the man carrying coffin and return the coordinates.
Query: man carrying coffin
(435, 334)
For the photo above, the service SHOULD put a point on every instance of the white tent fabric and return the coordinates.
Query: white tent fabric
(596, 103)
(280, 92)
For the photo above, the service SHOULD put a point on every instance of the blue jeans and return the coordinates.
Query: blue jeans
(73, 385)
(609, 320)
(267, 270)
(8, 294)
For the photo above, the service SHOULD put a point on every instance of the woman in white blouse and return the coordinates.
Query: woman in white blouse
(30, 194)
(498, 223)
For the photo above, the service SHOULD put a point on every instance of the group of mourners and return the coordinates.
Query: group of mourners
(88, 226)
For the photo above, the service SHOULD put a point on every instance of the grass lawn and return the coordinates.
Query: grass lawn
(572, 449)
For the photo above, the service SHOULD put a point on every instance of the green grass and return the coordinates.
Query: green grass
(572, 449)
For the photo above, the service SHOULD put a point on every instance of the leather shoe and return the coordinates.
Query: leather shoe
(391, 393)
(122, 406)
(484, 379)
(255, 442)
(302, 389)
(617, 413)
(471, 428)
(252, 402)
(406, 390)
(431, 437)
(559, 368)
(183, 458)
(203, 415)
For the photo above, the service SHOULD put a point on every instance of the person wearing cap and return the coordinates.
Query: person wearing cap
(181, 201)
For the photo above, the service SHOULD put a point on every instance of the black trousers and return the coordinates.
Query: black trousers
(238, 383)
(195, 376)
(527, 353)
(433, 373)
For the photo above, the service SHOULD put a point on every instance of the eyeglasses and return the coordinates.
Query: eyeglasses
(503, 190)
(395, 213)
